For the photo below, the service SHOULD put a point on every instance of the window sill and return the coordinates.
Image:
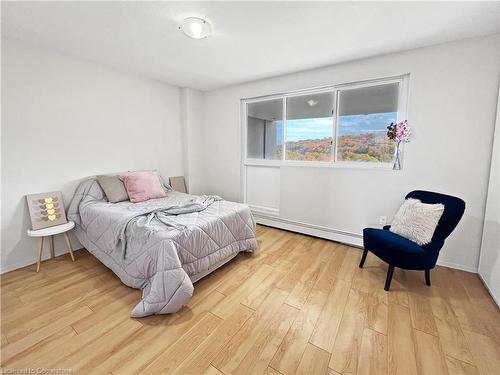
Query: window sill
(317, 164)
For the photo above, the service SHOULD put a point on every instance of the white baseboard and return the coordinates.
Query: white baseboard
(349, 238)
(497, 301)
(456, 266)
(264, 211)
(29, 262)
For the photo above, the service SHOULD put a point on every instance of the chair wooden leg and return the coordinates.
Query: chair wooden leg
(40, 250)
(52, 247)
(70, 248)
(388, 280)
(428, 277)
(363, 258)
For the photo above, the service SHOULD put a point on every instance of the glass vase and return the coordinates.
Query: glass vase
(397, 157)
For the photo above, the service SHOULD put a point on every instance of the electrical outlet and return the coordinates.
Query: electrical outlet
(382, 220)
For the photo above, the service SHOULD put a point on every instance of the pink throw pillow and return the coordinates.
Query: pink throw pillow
(142, 186)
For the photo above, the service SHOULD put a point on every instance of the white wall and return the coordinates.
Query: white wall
(191, 123)
(489, 263)
(64, 119)
(453, 90)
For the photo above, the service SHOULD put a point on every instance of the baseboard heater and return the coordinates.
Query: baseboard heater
(349, 238)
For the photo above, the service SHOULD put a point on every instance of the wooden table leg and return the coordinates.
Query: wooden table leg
(40, 249)
(52, 247)
(70, 248)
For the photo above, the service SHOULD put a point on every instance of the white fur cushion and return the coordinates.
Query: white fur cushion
(417, 221)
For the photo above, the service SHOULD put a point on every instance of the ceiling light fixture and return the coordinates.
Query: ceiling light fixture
(312, 102)
(196, 28)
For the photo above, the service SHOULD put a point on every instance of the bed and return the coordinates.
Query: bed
(161, 246)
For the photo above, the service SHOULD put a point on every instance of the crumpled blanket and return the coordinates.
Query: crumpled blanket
(161, 218)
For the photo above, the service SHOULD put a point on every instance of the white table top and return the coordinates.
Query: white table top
(50, 231)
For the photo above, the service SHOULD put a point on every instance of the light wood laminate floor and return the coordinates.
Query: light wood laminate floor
(300, 305)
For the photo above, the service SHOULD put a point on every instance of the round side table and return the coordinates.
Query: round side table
(52, 231)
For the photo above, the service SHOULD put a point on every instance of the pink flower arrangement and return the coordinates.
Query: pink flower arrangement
(399, 132)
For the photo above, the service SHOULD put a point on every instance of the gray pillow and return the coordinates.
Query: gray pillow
(113, 188)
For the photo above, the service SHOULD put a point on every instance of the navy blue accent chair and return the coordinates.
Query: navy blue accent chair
(400, 252)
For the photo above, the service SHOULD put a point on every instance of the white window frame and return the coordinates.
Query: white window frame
(402, 80)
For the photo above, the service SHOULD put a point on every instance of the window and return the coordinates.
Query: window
(265, 130)
(309, 127)
(364, 114)
(340, 124)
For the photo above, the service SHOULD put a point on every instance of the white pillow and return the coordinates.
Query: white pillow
(417, 221)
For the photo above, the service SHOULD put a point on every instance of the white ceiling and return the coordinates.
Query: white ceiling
(251, 40)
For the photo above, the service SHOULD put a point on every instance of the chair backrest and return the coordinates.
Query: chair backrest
(453, 210)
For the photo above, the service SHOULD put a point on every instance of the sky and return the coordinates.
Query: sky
(318, 128)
